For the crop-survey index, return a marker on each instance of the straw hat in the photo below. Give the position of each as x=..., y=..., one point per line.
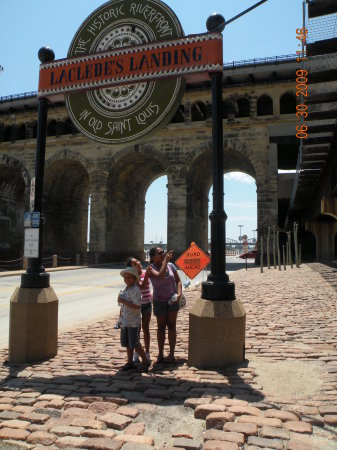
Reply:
x=132, y=270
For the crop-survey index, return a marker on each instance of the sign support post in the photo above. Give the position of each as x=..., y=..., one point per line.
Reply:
x=217, y=320
x=33, y=317
x=217, y=286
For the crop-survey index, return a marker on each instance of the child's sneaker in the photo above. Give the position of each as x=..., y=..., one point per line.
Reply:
x=135, y=357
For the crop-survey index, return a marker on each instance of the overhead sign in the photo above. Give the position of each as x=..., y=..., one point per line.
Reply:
x=31, y=245
x=128, y=113
x=192, y=57
x=192, y=261
x=124, y=76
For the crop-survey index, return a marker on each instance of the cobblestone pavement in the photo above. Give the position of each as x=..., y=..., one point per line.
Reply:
x=284, y=396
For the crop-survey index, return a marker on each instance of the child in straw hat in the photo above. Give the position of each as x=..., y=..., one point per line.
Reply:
x=131, y=299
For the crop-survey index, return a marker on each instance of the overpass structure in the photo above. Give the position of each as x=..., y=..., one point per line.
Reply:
x=296, y=179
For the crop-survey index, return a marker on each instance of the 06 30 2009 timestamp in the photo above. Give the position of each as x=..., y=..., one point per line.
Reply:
x=302, y=86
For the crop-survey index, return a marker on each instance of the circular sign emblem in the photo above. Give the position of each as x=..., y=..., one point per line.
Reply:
x=127, y=113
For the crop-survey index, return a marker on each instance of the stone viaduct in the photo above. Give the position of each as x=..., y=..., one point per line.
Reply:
x=259, y=124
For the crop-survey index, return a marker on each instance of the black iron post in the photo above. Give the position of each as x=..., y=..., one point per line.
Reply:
x=217, y=286
x=36, y=276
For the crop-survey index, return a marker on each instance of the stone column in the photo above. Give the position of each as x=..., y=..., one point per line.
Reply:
x=98, y=208
x=253, y=107
x=267, y=195
x=176, y=214
x=325, y=238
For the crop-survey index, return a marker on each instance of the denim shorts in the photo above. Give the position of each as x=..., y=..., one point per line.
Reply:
x=163, y=308
x=130, y=337
x=146, y=308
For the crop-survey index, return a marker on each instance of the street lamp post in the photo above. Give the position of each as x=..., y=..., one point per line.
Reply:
x=33, y=320
x=217, y=286
x=217, y=320
x=36, y=276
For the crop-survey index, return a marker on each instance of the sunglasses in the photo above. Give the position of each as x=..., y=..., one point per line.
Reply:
x=161, y=252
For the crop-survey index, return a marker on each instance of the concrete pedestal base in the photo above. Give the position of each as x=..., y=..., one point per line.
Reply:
x=33, y=325
x=216, y=334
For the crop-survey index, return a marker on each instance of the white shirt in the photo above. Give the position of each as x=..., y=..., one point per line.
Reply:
x=131, y=317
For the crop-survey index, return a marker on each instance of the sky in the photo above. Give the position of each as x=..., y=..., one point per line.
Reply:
x=269, y=30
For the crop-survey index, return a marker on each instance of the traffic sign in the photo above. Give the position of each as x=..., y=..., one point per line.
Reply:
x=193, y=260
x=31, y=247
x=32, y=219
x=35, y=219
x=27, y=220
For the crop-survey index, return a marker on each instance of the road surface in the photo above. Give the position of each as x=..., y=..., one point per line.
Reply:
x=85, y=295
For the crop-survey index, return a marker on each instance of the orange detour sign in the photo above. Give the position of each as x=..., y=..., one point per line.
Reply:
x=192, y=261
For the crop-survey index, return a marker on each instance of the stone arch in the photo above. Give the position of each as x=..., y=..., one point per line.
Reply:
x=68, y=154
x=199, y=181
x=66, y=193
x=288, y=103
x=14, y=200
x=127, y=183
x=264, y=106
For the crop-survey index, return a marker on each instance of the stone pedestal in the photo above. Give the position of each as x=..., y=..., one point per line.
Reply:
x=216, y=334
x=33, y=325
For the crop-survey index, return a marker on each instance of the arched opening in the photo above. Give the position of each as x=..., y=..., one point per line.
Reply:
x=12, y=208
x=243, y=107
x=228, y=109
x=35, y=130
x=156, y=214
x=198, y=112
x=66, y=208
x=127, y=185
x=51, y=129
x=22, y=132
x=265, y=106
x=69, y=127
x=240, y=205
x=307, y=240
x=200, y=202
x=8, y=134
x=288, y=104
x=179, y=116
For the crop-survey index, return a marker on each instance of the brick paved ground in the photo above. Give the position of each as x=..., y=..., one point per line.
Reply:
x=283, y=397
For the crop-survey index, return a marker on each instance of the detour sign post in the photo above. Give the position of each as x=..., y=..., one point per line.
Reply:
x=192, y=261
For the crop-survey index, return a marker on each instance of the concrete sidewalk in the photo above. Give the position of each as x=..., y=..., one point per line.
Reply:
x=284, y=396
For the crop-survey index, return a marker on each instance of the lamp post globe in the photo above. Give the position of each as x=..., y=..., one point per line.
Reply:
x=215, y=23
x=46, y=54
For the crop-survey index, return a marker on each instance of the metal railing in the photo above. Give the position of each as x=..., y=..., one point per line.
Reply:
x=259, y=61
x=12, y=98
x=49, y=261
